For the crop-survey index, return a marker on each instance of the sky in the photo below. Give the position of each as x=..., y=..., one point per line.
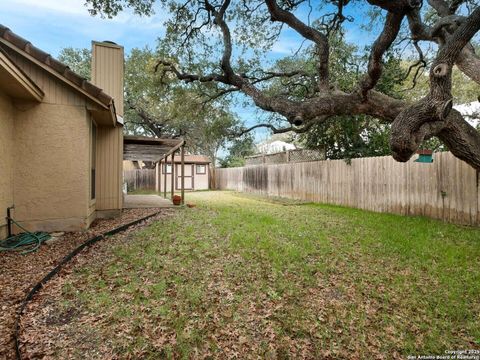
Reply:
x=52, y=25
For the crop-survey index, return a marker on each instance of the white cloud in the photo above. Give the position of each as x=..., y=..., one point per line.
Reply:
x=73, y=7
x=54, y=24
x=78, y=10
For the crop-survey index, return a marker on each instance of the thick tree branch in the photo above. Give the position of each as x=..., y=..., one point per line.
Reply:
x=440, y=6
x=432, y=115
x=276, y=130
x=396, y=6
x=383, y=42
x=170, y=67
x=411, y=124
x=467, y=61
x=308, y=32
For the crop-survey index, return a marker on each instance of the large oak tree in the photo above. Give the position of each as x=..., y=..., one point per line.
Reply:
x=248, y=26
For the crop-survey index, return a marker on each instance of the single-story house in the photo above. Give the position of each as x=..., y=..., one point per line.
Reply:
x=271, y=147
x=197, y=174
x=61, y=137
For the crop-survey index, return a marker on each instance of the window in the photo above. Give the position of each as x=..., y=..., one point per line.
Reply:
x=167, y=169
x=201, y=169
x=93, y=160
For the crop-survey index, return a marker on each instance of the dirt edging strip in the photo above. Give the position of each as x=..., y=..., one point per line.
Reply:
x=59, y=266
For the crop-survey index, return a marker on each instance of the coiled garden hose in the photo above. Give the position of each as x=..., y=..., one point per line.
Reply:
x=25, y=242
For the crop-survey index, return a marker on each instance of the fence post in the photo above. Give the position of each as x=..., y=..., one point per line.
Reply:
x=478, y=198
x=172, y=176
x=287, y=155
x=164, y=169
x=183, y=172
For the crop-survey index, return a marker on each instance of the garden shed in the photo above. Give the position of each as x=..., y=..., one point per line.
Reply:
x=196, y=176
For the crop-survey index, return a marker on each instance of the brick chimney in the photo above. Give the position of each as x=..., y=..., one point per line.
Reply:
x=108, y=70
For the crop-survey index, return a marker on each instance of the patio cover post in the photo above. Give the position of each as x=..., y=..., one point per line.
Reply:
x=165, y=177
x=183, y=172
x=157, y=177
x=173, y=175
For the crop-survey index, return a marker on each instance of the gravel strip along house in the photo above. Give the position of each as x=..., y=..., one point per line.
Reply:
x=61, y=137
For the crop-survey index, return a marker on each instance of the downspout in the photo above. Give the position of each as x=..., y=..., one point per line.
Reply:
x=9, y=220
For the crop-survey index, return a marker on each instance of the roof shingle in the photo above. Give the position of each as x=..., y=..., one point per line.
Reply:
x=60, y=68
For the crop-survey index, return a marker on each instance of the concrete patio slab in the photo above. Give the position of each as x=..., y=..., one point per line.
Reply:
x=146, y=201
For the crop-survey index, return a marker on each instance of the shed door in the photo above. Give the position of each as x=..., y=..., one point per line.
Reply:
x=188, y=176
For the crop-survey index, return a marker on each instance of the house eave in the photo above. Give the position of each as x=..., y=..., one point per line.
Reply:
x=104, y=117
x=15, y=83
x=53, y=72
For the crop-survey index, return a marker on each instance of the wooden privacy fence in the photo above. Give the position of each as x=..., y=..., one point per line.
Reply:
x=140, y=179
x=446, y=189
x=297, y=155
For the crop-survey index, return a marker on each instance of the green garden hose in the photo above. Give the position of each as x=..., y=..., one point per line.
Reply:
x=25, y=242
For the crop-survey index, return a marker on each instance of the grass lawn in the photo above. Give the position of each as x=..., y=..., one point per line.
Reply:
x=253, y=278
x=153, y=192
x=146, y=192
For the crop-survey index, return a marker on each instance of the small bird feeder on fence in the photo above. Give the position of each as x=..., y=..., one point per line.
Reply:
x=425, y=156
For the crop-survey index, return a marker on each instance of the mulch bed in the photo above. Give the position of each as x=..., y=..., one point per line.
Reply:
x=21, y=272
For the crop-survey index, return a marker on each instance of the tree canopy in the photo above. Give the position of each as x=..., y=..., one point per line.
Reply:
x=240, y=147
x=220, y=43
x=162, y=106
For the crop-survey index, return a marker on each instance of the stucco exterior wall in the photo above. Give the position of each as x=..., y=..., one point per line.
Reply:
x=6, y=160
x=52, y=166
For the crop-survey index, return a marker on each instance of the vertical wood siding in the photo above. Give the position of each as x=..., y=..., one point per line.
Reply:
x=109, y=168
x=446, y=189
x=56, y=92
x=108, y=71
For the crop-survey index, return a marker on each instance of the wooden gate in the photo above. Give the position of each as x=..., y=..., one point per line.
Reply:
x=140, y=179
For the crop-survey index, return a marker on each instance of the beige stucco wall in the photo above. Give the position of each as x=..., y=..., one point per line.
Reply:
x=51, y=189
x=6, y=160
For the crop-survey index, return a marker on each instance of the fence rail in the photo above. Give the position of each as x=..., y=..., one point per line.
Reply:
x=140, y=179
x=297, y=155
x=446, y=189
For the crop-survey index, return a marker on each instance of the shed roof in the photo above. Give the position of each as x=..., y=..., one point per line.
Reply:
x=62, y=71
x=142, y=148
x=193, y=159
